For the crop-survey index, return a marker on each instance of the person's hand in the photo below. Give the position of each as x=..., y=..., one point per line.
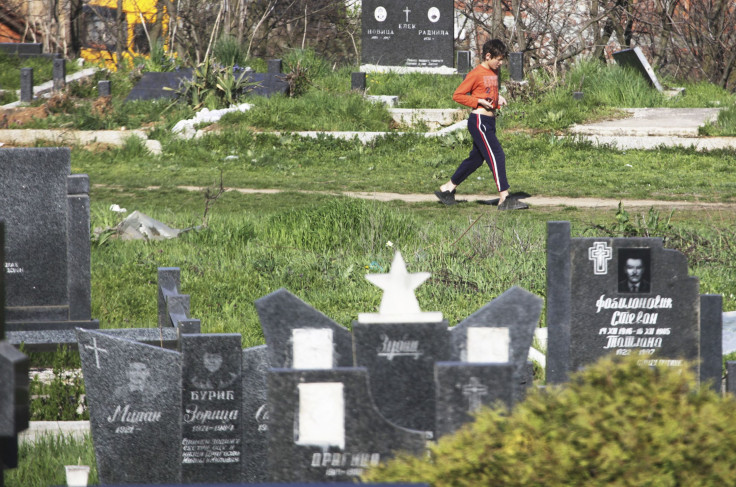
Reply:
x=502, y=101
x=485, y=103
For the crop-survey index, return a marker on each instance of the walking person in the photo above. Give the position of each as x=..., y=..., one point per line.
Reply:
x=479, y=91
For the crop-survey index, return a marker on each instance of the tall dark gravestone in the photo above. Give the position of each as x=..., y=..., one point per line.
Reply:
x=47, y=254
x=26, y=85
x=623, y=296
x=212, y=396
x=14, y=389
x=134, y=394
x=413, y=33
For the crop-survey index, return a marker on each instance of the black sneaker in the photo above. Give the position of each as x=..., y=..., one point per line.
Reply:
x=512, y=204
x=446, y=197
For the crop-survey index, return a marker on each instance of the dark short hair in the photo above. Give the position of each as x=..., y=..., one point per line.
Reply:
x=494, y=47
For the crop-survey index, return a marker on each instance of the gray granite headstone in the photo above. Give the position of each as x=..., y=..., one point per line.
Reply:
x=400, y=359
x=324, y=427
x=299, y=336
x=26, y=85
x=47, y=257
x=500, y=332
x=59, y=74
x=255, y=414
x=212, y=398
x=104, y=88
x=516, y=66
x=635, y=59
x=134, y=396
x=413, y=33
x=624, y=296
x=463, y=388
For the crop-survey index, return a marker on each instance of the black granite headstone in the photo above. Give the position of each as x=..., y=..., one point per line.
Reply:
x=14, y=389
x=413, y=33
x=624, y=296
x=500, y=332
x=324, y=427
x=731, y=377
x=298, y=336
x=26, y=85
x=357, y=82
x=516, y=66
x=134, y=396
x=59, y=74
x=21, y=48
x=212, y=397
x=635, y=59
x=711, y=340
x=47, y=257
x=400, y=359
x=154, y=86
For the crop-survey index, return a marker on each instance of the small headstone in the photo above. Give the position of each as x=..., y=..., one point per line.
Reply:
x=501, y=332
x=463, y=388
x=173, y=307
x=414, y=33
x=59, y=74
x=135, y=400
x=357, y=82
x=463, y=62
x=275, y=66
x=104, y=88
x=324, y=427
x=623, y=296
x=26, y=85
x=212, y=397
x=300, y=337
x=635, y=59
x=516, y=66
x=47, y=257
x=577, y=95
x=731, y=377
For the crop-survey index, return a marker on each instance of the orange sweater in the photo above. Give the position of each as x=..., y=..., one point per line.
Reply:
x=481, y=82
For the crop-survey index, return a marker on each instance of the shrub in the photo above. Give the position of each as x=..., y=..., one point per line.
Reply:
x=615, y=423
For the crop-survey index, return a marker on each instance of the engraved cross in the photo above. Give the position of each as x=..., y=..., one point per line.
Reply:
x=474, y=391
x=600, y=253
x=97, y=350
x=406, y=11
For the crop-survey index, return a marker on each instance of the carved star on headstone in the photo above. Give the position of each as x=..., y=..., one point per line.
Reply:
x=399, y=304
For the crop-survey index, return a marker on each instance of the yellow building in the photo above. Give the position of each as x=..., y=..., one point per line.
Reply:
x=144, y=22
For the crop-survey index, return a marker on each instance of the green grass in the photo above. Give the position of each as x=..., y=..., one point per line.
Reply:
x=41, y=464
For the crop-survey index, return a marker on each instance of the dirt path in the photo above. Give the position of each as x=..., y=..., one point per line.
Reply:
x=546, y=201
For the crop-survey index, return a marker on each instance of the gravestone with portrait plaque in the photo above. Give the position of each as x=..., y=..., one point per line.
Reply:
x=623, y=296
x=135, y=403
x=212, y=395
x=412, y=33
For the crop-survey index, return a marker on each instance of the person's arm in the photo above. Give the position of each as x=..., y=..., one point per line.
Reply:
x=462, y=92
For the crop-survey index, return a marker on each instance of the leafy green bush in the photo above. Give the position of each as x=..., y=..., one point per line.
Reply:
x=615, y=423
x=63, y=398
x=228, y=51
